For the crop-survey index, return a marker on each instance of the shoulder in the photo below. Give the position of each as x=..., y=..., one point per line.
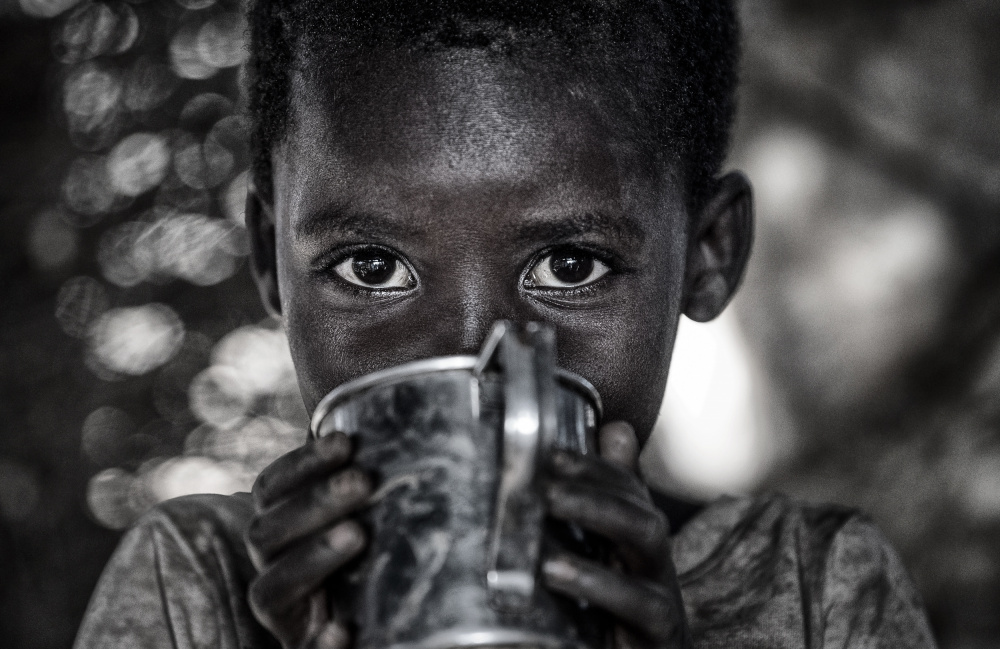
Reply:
x=191, y=517
x=822, y=574
x=757, y=525
x=180, y=572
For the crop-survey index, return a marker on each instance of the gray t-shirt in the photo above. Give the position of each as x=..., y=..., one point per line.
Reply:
x=754, y=572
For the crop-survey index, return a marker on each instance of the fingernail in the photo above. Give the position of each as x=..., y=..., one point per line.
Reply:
x=560, y=570
x=345, y=537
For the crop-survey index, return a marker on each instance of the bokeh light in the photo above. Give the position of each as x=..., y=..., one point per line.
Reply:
x=116, y=254
x=183, y=476
x=185, y=56
x=87, y=188
x=79, y=303
x=254, y=444
x=220, y=41
x=148, y=84
x=96, y=28
x=202, y=164
x=203, y=110
x=982, y=487
x=46, y=8
x=108, y=498
x=249, y=364
x=91, y=101
x=192, y=247
x=789, y=170
x=138, y=163
x=220, y=396
x=135, y=340
x=259, y=355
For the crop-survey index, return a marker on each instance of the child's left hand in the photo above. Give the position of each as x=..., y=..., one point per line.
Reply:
x=606, y=496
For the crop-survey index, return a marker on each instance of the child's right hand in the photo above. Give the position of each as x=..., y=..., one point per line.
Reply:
x=301, y=536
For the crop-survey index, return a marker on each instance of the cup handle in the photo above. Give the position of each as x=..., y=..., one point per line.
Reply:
x=526, y=356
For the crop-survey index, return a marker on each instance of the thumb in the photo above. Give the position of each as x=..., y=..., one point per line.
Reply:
x=619, y=445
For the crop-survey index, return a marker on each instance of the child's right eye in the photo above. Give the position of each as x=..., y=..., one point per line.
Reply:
x=375, y=269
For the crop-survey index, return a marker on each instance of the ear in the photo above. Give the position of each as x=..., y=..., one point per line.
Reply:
x=719, y=249
x=263, y=259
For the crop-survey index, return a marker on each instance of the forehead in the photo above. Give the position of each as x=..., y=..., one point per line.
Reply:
x=461, y=121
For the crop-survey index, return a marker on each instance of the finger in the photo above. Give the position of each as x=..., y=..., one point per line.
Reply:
x=590, y=469
x=294, y=468
x=332, y=635
x=306, y=512
x=619, y=445
x=302, y=569
x=640, y=530
x=323, y=632
x=647, y=607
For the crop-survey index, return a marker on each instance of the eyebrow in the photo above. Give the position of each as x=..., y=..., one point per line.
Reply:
x=562, y=226
x=347, y=220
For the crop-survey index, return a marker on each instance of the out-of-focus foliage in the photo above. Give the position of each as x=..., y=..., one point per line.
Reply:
x=872, y=132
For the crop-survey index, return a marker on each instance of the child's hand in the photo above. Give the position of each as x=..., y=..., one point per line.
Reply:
x=605, y=495
x=300, y=536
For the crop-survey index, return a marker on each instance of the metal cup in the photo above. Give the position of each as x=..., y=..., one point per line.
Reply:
x=458, y=522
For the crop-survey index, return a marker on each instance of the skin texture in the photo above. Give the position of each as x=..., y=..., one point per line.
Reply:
x=470, y=170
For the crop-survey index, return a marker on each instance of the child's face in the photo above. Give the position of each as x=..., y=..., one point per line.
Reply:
x=420, y=201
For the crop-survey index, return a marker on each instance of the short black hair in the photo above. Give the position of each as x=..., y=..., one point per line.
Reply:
x=672, y=63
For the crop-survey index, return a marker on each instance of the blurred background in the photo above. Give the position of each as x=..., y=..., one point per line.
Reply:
x=860, y=364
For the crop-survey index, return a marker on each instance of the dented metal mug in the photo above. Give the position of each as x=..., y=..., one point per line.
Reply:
x=458, y=521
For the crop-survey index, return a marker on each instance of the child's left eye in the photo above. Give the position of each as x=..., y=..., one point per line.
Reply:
x=566, y=268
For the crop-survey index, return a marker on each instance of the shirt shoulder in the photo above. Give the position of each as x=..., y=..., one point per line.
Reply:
x=769, y=571
x=178, y=579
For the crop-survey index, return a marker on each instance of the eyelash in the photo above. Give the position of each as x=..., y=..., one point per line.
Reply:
x=327, y=265
x=613, y=263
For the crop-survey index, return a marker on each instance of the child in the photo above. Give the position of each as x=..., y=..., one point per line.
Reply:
x=426, y=168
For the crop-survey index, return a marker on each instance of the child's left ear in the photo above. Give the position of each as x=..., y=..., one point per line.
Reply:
x=720, y=247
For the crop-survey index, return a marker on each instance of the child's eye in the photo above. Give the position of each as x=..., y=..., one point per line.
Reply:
x=379, y=269
x=566, y=268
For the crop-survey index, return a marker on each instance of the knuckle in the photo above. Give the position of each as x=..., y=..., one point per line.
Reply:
x=349, y=485
x=346, y=538
x=355, y=483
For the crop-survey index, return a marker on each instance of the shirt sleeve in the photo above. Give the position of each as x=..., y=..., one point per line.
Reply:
x=869, y=601
x=176, y=581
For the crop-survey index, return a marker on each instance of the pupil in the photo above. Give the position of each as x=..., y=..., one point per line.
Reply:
x=373, y=267
x=572, y=267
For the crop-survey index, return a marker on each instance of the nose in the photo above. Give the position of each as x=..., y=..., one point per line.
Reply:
x=465, y=315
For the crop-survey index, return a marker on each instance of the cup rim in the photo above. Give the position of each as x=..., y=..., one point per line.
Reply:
x=430, y=366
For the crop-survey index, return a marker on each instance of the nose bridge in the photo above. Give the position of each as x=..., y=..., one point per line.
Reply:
x=477, y=307
x=471, y=300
